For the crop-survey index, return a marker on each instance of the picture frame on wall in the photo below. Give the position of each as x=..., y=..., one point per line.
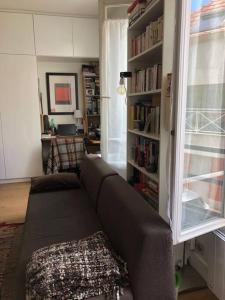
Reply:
x=62, y=93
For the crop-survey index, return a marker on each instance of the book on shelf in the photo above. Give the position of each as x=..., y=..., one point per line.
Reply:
x=144, y=153
x=89, y=70
x=144, y=117
x=153, y=34
x=137, y=8
x=93, y=106
x=146, y=80
x=148, y=188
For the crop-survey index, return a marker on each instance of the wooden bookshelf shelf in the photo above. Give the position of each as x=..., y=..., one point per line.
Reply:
x=153, y=10
x=152, y=176
x=144, y=134
x=154, y=53
x=153, y=92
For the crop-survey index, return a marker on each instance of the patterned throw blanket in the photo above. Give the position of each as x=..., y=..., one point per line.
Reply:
x=66, y=153
x=76, y=270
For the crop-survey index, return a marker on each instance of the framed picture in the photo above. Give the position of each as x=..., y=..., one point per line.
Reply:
x=62, y=93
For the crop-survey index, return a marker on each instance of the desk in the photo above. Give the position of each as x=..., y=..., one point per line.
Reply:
x=46, y=147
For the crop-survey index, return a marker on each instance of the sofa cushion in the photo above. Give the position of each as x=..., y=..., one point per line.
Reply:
x=60, y=181
x=54, y=217
x=94, y=170
x=58, y=204
x=140, y=237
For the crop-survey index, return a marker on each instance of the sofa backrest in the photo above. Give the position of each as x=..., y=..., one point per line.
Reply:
x=93, y=172
x=141, y=238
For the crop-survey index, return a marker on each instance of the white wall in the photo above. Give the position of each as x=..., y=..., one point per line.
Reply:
x=61, y=67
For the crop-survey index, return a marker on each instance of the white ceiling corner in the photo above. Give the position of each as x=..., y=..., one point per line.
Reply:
x=58, y=7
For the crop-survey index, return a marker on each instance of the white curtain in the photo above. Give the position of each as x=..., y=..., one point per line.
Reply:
x=114, y=109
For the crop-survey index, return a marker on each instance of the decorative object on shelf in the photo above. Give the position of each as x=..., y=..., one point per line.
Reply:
x=52, y=126
x=78, y=116
x=62, y=93
x=122, y=89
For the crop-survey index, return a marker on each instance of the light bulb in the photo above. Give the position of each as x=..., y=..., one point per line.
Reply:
x=121, y=90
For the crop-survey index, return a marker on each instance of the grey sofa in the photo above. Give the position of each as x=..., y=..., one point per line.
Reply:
x=104, y=201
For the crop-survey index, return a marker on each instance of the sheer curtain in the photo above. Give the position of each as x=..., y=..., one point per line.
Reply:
x=114, y=109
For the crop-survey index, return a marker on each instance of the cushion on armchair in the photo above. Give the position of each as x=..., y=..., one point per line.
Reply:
x=59, y=181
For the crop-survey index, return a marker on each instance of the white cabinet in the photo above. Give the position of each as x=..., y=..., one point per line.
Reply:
x=16, y=33
x=2, y=160
x=53, y=35
x=19, y=107
x=86, y=37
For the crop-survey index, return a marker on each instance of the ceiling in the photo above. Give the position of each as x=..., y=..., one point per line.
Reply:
x=64, y=7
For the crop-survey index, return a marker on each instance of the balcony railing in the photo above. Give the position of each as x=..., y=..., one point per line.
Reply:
x=205, y=121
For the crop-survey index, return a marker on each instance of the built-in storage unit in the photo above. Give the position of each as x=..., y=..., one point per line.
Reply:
x=16, y=33
x=176, y=132
x=24, y=38
x=66, y=37
x=149, y=64
x=86, y=37
x=53, y=35
x=91, y=101
x=20, y=116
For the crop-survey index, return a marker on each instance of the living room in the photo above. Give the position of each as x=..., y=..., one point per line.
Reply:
x=112, y=149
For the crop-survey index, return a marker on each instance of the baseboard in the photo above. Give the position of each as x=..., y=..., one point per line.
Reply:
x=200, y=265
x=17, y=180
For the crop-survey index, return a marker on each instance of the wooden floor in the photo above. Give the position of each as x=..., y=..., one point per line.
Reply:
x=13, y=202
x=198, y=295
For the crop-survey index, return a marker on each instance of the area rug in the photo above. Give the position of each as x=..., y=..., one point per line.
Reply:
x=10, y=241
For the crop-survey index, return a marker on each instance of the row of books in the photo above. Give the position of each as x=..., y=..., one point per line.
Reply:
x=148, y=188
x=152, y=35
x=93, y=106
x=89, y=70
x=144, y=153
x=146, y=80
x=145, y=118
x=137, y=8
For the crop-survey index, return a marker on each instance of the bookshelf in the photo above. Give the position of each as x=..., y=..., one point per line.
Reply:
x=150, y=59
x=91, y=102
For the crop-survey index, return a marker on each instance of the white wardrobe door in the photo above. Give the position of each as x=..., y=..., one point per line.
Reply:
x=16, y=33
x=20, y=116
x=86, y=37
x=2, y=160
x=53, y=35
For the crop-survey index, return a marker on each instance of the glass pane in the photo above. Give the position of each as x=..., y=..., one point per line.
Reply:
x=203, y=184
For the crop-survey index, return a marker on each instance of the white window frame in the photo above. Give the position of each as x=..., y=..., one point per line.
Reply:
x=181, y=92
